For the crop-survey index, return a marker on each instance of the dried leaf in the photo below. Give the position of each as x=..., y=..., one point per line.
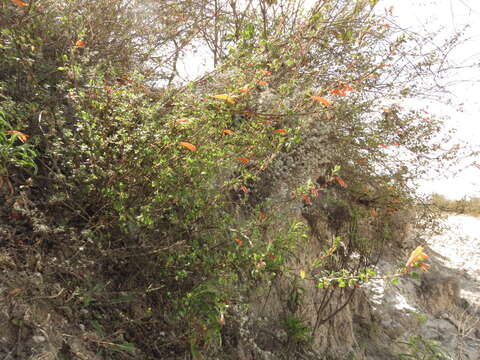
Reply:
x=226, y=97
x=243, y=160
x=280, y=131
x=187, y=145
x=19, y=3
x=23, y=137
x=322, y=100
x=228, y=132
x=14, y=292
x=80, y=43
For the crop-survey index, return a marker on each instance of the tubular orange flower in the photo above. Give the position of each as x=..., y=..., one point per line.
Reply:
x=23, y=137
x=423, y=266
x=322, y=100
x=187, y=145
x=239, y=242
x=416, y=255
x=243, y=160
x=19, y=3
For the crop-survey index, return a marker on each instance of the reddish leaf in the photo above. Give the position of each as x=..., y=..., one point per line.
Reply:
x=477, y=165
x=243, y=160
x=322, y=100
x=187, y=145
x=383, y=146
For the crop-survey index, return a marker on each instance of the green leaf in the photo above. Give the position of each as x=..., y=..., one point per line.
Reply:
x=125, y=346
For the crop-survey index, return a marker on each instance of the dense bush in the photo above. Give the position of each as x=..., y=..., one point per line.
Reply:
x=150, y=183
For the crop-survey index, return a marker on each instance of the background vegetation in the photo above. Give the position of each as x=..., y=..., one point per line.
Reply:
x=145, y=201
x=464, y=206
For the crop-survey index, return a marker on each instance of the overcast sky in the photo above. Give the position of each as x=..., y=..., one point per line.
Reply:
x=445, y=17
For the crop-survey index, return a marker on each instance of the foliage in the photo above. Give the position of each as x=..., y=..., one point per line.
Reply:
x=464, y=206
x=420, y=348
x=155, y=184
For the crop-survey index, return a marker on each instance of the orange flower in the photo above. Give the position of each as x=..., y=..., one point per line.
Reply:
x=228, y=132
x=244, y=89
x=80, y=43
x=187, y=145
x=342, y=91
x=243, y=160
x=280, y=131
x=19, y=3
x=340, y=181
x=239, y=242
x=262, y=83
x=416, y=255
x=322, y=100
x=23, y=137
x=423, y=266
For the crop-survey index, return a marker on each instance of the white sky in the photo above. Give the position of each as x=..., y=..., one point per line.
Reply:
x=445, y=17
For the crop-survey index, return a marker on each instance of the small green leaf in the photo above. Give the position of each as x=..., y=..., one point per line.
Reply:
x=126, y=346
